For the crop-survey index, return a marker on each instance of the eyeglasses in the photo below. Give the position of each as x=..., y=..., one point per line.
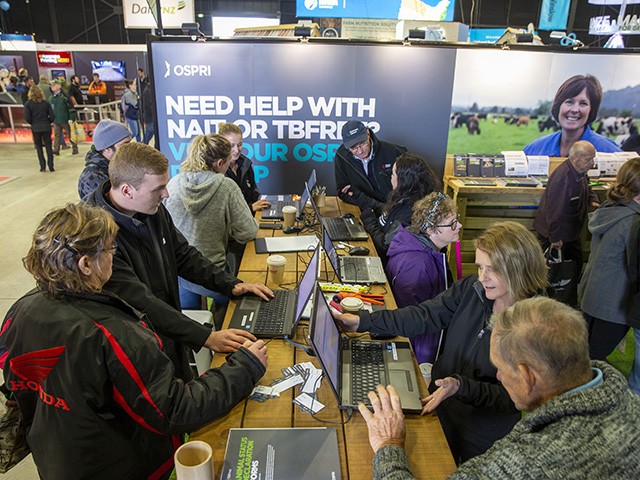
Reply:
x=112, y=249
x=359, y=146
x=453, y=225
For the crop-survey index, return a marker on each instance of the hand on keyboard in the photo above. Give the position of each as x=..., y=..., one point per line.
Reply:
x=227, y=341
x=258, y=289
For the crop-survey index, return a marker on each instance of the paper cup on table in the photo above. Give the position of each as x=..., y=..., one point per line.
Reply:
x=351, y=304
x=275, y=265
x=320, y=200
x=425, y=369
x=289, y=215
x=194, y=461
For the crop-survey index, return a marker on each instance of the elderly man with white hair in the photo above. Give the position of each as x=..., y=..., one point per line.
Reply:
x=582, y=420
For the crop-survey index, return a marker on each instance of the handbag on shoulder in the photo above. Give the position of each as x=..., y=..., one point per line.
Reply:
x=562, y=276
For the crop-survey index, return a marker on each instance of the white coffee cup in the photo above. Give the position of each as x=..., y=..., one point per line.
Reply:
x=289, y=215
x=425, y=369
x=275, y=265
x=351, y=304
x=194, y=461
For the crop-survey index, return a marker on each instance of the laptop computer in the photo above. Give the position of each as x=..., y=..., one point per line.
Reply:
x=340, y=228
x=279, y=316
x=353, y=367
x=274, y=212
x=353, y=269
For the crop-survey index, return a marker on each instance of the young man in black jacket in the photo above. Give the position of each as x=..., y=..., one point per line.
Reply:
x=363, y=166
x=152, y=253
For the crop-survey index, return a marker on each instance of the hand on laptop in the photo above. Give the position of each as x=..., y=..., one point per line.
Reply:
x=259, y=349
x=448, y=386
x=348, y=321
x=260, y=205
x=227, y=341
x=256, y=288
x=386, y=424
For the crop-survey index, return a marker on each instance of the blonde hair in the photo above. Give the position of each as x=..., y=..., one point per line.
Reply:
x=227, y=128
x=516, y=257
x=431, y=211
x=63, y=236
x=545, y=334
x=627, y=182
x=133, y=161
x=205, y=151
x=35, y=94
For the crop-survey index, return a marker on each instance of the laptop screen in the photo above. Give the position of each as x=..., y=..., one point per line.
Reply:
x=307, y=282
x=325, y=338
x=309, y=184
x=332, y=253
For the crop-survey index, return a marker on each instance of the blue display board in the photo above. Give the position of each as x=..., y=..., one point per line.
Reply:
x=291, y=100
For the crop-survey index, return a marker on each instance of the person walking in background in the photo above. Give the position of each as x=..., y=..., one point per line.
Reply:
x=148, y=113
x=209, y=210
x=64, y=112
x=45, y=86
x=417, y=270
x=39, y=114
x=28, y=83
x=130, y=109
x=411, y=180
x=605, y=289
x=74, y=91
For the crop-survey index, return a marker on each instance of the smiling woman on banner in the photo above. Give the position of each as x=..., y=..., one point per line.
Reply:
x=474, y=408
x=574, y=107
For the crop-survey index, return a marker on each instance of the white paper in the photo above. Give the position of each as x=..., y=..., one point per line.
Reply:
x=288, y=383
x=309, y=402
x=515, y=164
x=538, y=164
x=301, y=243
x=313, y=381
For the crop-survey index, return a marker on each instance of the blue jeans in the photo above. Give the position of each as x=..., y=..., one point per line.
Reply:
x=634, y=377
x=135, y=129
x=149, y=130
x=190, y=294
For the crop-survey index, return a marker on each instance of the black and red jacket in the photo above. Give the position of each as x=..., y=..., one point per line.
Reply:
x=99, y=397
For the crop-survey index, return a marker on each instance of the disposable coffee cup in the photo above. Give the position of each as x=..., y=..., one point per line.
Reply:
x=351, y=304
x=289, y=215
x=275, y=265
x=425, y=369
x=194, y=461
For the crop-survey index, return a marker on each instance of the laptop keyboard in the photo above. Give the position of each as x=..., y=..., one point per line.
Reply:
x=337, y=230
x=367, y=365
x=272, y=314
x=355, y=268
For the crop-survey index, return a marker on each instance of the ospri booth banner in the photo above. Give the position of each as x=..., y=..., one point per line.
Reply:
x=292, y=99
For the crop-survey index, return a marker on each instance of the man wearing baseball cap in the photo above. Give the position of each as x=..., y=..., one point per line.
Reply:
x=363, y=166
x=108, y=136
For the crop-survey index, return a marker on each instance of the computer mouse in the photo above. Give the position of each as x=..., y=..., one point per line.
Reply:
x=359, y=251
x=347, y=215
x=294, y=229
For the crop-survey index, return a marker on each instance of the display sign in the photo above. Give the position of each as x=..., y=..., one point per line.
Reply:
x=554, y=14
x=54, y=59
x=612, y=2
x=438, y=10
x=140, y=13
x=607, y=25
x=291, y=119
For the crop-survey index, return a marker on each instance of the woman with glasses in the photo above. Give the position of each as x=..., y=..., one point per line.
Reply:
x=417, y=270
x=474, y=408
x=98, y=397
x=411, y=180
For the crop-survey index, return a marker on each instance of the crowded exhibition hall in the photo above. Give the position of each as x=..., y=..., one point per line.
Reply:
x=319, y=239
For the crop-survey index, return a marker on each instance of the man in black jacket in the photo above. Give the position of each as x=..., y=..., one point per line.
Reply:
x=363, y=165
x=74, y=90
x=152, y=253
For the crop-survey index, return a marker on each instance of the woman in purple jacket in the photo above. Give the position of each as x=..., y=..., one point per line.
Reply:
x=416, y=268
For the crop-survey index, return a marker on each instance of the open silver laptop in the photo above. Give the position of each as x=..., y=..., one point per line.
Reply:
x=353, y=367
x=274, y=212
x=353, y=269
x=279, y=316
x=339, y=228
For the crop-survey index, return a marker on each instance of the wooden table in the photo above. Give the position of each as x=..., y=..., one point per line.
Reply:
x=426, y=445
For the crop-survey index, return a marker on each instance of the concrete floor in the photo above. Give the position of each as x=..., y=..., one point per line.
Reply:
x=23, y=203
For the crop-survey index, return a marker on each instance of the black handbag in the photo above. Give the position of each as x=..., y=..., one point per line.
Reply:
x=562, y=276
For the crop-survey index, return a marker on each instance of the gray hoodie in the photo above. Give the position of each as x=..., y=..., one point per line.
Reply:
x=605, y=285
x=208, y=209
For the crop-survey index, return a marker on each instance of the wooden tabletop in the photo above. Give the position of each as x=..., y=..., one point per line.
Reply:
x=429, y=454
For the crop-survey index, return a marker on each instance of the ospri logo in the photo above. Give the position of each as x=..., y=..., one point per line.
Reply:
x=187, y=70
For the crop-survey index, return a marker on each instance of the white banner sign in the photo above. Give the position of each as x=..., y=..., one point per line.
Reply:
x=608, y=25
x=138, y=14
x=612, y=2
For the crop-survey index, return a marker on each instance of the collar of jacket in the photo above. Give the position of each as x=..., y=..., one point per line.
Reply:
x=123, y=221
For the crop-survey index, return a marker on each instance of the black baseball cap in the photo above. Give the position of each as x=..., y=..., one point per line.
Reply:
x=354, y=132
